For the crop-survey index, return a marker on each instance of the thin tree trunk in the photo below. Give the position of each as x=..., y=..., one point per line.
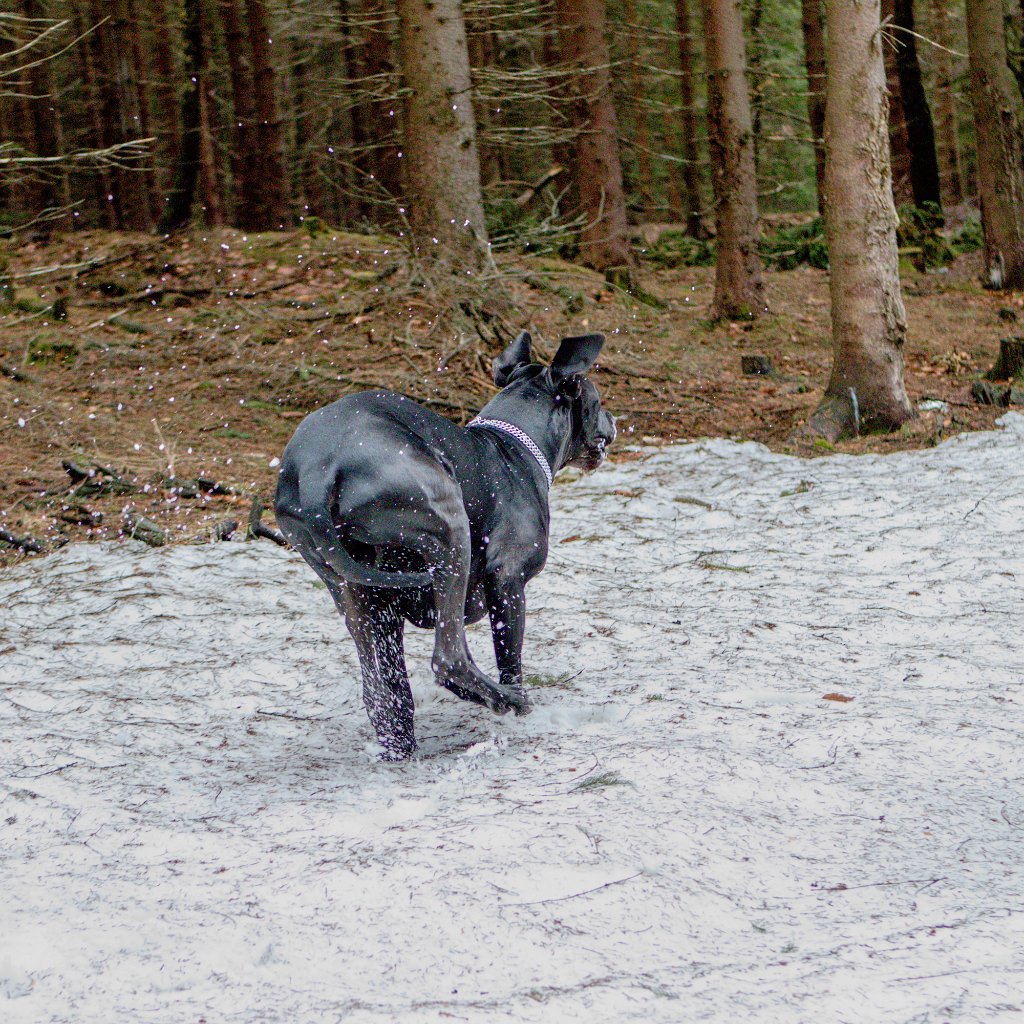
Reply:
x=269, y=137
x=123, y=77
x=596, y=166
x=644, y=171
x=739, y=287
x=691, y=197
x=899, y=141
x=866, y=390
x=998, y=118
x=755, y=75
x=946, y=123
x=358, y=173
x=178, y=210
x=384, y=126
x=447, y=215
x=209, y=186
x=44, y=125
x=101, y=179
x=481, y=56
x=166, y=46
x=814, y=59
x=561, y=150
x=924, y=164
x=244, y=149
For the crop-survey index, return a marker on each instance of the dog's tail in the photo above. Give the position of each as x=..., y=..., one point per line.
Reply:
x=317, y=497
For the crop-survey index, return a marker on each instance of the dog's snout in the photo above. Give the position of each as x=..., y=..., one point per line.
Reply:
x=606, y=428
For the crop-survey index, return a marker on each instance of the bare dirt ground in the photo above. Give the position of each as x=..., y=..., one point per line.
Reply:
x=171, y=373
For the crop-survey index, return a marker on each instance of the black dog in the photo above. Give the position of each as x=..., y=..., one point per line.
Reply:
x=405, y=515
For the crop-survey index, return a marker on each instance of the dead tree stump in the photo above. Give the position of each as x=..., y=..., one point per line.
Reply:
x=1010, y=363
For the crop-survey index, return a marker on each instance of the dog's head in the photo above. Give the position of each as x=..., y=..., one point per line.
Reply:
x=585, y=428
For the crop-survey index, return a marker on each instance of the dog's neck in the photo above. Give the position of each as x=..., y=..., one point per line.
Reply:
x=550, y=429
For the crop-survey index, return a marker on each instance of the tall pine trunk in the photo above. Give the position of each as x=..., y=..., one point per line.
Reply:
x=644, y=171
x=924, y=163
x=998, y=125
x=447, y=216
x=196, y=155
x=272, y=200
x=900, y=157
x=245, y=157
x=813, y=22
x=596, y=165
x=739, y=288
x=946, y=123
x=690, y=176
x=866, y=390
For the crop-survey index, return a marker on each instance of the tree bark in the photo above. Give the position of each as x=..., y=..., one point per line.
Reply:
x=998, y=125
x=272, y=204
x=244, y=149
x=644, y=170
x=596, y=165
x=866, y=390
x=447, y=216
x=690, y=177
x=164, y=55
x=178, y=211
x=739, y=288
x=384, y=126
x=813, y=21
x=120, y=82
x=924, y=164
x=899, y=141
x=43, y=133
x=946, y=123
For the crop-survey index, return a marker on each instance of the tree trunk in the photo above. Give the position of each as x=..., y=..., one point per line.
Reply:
x=1000, y=134
x=244, y=149
x=755, y=75
x=924, y=164
x=739, y=288
x=178, y=211
x=866, y=390
x=644, y=171
x=209, y=186
x=125, y=106
x=561, y=149
x=166, y=46
x=384, y=126
x=814, y=59
x=272, y=206
x=691, y=198
x=102, y=180
x=447, y=216
x=947, y=128
x=596, y=167
x=899, y=141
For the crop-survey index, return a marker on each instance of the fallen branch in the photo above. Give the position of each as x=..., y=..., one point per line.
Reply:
x=9, y=370
x=23, y=543
x=140, y=528
x=257, y=529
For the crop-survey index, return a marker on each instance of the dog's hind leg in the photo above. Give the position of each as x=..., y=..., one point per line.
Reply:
x=376, y=627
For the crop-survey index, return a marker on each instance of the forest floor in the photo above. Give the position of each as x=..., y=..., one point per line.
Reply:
x=172, y=372
x=773, y=772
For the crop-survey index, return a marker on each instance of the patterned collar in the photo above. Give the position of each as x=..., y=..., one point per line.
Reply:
x=521, y=436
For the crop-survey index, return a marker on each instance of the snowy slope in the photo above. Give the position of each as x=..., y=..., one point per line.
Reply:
x=193, y=825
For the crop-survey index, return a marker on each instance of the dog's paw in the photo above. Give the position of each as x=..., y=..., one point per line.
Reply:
x=520, y=700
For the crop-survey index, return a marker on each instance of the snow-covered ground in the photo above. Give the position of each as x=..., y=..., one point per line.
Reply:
x=193, y=826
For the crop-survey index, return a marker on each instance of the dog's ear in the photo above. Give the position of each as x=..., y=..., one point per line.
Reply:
x=576, y=356
x=515, y=355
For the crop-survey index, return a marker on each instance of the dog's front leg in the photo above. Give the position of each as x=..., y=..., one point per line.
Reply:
x=506, y=606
